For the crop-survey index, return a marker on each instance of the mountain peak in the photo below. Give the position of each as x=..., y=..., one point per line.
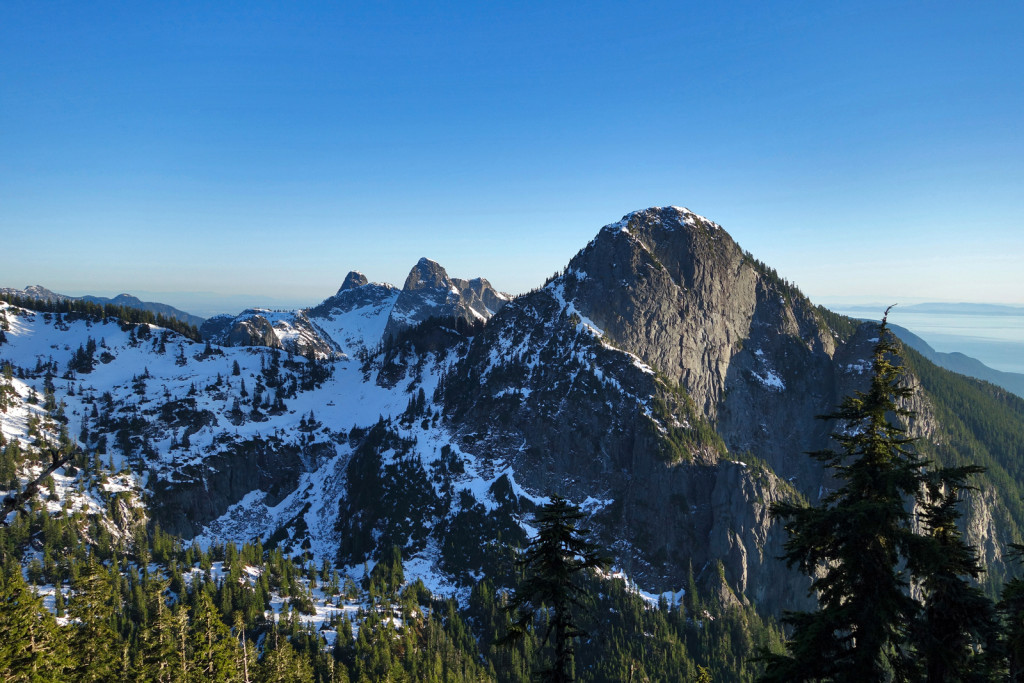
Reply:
x=35, y=292
x=352, y=280
x=427, y=274
x=669, y=216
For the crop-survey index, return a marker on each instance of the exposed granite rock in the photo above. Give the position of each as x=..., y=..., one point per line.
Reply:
x=352, y=280
x=253, y=330
x=292, y=331
x=480, y=297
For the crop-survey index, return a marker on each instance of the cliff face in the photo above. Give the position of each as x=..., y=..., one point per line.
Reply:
x=677, y=291
x=641, y=377
x=594, y=387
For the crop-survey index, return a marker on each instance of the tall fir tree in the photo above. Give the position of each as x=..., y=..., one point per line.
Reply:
x=213, y=648
x=956, y=635
x=854, y=544
x=95, y=644
x=31, y=648
x=552, y=588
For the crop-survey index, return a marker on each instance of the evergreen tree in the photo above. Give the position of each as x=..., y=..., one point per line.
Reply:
x=31, y=649
x=156, y=640
x=213, y=647
x=95, y=645
x=955, y=637
x=1011, y=608
x=855, y=543
x=552, y=587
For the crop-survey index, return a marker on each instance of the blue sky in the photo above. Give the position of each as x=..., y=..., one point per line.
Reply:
x=866, y=151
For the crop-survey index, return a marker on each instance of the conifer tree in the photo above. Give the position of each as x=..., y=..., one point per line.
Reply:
x=956, y=635
x=1011, y=609
x=156, y=639
x=31, y=649
x=855, y=542
x=213, y=648
x=552, y=588
x=95, y=645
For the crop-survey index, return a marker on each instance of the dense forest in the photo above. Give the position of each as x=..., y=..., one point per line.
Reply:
x=90, y=605
x=93, y=590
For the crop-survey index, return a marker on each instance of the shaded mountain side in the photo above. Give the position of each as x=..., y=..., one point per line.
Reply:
x=540, y=393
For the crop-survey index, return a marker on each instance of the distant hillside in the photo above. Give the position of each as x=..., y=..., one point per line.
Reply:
x=154, y=307
x=126, y=300
x=961, y=363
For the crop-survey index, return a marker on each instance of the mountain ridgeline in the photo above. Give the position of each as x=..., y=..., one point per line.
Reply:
x=666, y=381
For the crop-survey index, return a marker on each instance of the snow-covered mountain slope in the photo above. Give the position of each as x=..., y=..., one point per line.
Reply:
x=32, y=433
x=362, y=314
x=666, y=381
x=234, y=443
x=355, y=317
x=292, y=331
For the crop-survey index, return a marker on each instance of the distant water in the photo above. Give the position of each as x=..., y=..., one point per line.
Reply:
x=995, y=340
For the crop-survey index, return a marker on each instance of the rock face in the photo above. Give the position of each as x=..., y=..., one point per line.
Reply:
x=662, y=357
x=253, y=330
x=352, y=280
x=544, y=393
x=480, y=297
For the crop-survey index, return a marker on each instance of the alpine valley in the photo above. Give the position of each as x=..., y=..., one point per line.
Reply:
x=666, y=382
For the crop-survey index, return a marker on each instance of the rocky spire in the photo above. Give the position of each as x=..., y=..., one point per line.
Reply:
x=352, y=280
x=427, y=274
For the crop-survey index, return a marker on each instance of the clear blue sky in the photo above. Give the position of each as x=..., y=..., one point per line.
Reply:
x=869, y=151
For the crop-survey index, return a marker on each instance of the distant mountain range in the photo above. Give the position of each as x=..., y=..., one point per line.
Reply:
x=956, y=361
x=961, y=363
x=126, y=300
x=940, y=308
